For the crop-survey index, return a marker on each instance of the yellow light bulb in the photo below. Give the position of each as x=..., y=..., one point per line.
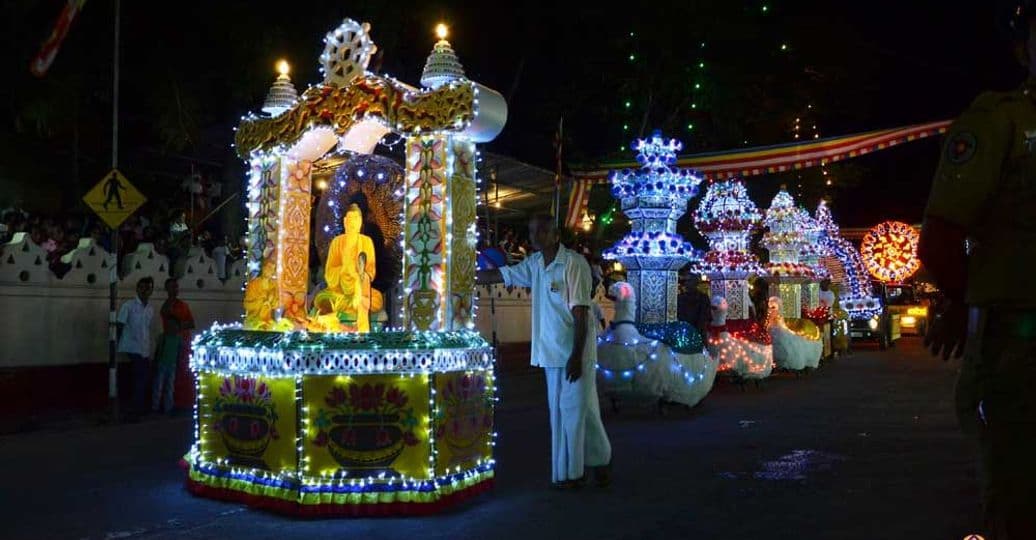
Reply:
x=283, y=67
x=441, y=30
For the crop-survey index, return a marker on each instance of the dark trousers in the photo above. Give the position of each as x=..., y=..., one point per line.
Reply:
x=996, y=400
x=141, y=394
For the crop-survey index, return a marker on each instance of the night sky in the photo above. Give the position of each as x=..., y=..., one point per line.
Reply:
x=198, y=66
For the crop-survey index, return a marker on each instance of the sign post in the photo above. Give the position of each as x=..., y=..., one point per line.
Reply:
x=113, y=199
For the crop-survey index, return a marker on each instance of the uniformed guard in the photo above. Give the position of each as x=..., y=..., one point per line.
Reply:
x=979, y=241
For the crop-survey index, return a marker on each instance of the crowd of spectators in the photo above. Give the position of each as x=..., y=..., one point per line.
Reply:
x=515, y=244
x=58, y=234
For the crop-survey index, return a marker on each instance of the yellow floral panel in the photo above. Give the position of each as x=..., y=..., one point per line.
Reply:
x=248, y=421
x=367, y=426
x=463, y=420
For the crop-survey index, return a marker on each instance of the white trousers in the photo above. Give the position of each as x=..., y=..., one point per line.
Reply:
x=577, y=436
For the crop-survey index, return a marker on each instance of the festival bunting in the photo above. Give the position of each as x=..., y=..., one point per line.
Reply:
x=760, y=160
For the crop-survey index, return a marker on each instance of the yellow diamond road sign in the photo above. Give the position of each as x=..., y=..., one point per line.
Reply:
x=114, y=199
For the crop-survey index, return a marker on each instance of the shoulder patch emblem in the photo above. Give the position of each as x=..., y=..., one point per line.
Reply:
x=961, y=147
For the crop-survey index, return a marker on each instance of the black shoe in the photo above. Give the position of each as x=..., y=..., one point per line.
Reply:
x=568, y=485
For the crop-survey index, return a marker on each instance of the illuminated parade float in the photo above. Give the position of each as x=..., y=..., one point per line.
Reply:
x=848, y=269
x=646, y=351
x=796, y=341
x=726, y=217
x=321, y=404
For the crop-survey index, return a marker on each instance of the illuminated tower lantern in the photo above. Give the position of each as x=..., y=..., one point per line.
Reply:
x=300, y=410
x=809, y=254
x=654, y=197
x=784, y=240
x=726, y=217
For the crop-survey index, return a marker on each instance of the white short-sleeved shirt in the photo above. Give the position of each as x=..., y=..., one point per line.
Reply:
x=827, y=298
x=137, y=319
x=556, y=289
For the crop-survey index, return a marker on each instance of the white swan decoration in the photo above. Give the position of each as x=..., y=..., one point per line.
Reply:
x=632, y=364
x=791, y=351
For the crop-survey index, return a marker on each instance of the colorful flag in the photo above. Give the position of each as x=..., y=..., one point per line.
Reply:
x=49, y=50
x=578, y=202
x=555, y=203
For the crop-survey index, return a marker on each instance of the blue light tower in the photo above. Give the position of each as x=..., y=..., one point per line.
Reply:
x=654, y=197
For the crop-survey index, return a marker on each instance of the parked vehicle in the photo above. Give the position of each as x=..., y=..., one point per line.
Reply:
x=884, y=327
x=906, y=300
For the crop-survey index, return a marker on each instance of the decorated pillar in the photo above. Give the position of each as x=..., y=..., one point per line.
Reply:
x=295, y=204
x=424, y=234
x=279, y=190
x=784, y=240
x=462, y=234
x=654, y=197
x=440, y=234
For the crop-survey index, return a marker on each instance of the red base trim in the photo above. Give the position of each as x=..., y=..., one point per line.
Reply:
x=295, y=509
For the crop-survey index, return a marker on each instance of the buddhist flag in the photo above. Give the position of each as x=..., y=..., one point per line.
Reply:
x=49, y=50
x=578, y=202
x=555, y=203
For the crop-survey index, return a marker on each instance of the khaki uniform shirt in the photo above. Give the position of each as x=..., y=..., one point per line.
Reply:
x=986, y=183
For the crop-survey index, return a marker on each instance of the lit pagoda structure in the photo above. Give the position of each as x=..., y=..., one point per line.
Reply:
x=442, y=66
x=785, y=240
x=726, y=217
x=654, y=197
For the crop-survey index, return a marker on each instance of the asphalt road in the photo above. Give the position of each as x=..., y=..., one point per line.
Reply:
x=864, y=448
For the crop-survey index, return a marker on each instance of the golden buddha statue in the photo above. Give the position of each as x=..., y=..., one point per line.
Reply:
x=348, y=272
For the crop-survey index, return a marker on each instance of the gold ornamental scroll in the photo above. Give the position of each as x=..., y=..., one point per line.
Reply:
x=293, y=238
x=405, y=111
x=462, y=234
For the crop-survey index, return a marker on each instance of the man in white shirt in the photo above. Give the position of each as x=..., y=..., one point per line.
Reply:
x=135, y=322
x=564, y=344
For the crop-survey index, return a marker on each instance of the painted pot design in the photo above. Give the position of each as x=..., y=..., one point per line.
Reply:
x=245, y=430
x=366, y=441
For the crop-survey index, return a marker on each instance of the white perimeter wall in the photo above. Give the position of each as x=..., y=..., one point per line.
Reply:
x=46, y=321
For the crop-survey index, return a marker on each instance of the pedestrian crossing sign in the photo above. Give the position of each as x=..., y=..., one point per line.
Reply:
x=114, y=199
